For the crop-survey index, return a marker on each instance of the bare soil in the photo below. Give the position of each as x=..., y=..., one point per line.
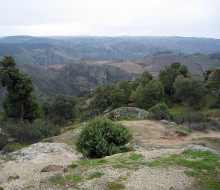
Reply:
x=145, y=132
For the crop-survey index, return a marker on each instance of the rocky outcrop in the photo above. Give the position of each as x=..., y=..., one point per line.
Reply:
x=39, y=148
x=3, y=139
x=127, y=112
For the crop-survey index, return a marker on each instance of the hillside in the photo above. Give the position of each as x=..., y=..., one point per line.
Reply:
x=71, y=65
x=62, y=50
x=72, y=79
x=81, y=76
x=197, y=63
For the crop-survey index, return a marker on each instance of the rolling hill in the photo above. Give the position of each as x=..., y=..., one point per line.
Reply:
x=71, y=65
x=65, y=50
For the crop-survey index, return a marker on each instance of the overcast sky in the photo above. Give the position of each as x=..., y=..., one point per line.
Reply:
x=197, y=18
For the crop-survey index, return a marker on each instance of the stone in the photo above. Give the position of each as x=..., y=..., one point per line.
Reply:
x=52, y=168
x=127, y=111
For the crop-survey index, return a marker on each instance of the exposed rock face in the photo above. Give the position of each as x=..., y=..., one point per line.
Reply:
x=127, y=111
x=36, y=149
x=3, y=139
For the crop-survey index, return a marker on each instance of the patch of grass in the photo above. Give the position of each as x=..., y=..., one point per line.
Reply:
x=115, y=186
x=134, y=156
x=58, y=179
x=76, y=178
x=62, y=179
x=1, y=188
x=14, y=177
x=133, y=161
x=92, y=163
x=96, y=174
x=72, y=166
x=203, y=165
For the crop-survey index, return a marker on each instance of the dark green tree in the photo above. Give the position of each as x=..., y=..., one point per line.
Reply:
x=101, y=100
x=60, y=109
x=120, y=94
x=143, y=79
x=149, y=95
x=160, y=111
x=20, y=102
x=168, y=75
x=190, y=91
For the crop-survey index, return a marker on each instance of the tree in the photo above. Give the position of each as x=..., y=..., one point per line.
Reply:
x=169, y=74
x=149, y=95
x=101, y=100
x=60, y=109
x=120, y=94
x=143, y=79
x=190, y=91
x=20, y=103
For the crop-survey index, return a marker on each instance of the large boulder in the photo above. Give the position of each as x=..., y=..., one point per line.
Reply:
x=4, y=137
x=127, y=112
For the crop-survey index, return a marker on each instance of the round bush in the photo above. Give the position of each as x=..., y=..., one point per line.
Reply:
x=160, y=111
x=102, y=137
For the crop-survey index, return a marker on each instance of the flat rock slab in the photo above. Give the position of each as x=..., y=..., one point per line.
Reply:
x=52, y=168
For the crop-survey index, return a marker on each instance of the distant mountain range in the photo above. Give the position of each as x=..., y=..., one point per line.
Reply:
x=64, y=50
x=72, y=65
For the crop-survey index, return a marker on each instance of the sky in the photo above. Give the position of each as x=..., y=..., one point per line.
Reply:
x=189, y=18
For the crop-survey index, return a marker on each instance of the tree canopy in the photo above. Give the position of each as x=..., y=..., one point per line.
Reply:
x=20, y=102
x=189, y=90
x=149, y=95
x=168, y=75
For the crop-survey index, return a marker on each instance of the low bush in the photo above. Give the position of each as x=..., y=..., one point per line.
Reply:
x=197, y=121
x=11, y=147
x=102, y=137
x=215, y=105
x=26, y=132
x=160, y=111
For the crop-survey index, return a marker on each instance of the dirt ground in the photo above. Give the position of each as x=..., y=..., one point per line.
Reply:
x=159, y=133
x=144, y=132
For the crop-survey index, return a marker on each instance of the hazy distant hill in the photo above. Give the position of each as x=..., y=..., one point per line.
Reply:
x=197, y=63
x=63, y=50
x=70, y=65
x=72, y=79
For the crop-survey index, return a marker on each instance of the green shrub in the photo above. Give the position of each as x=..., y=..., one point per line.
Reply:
x=197, y=121
x=160, y=111
x=26, y=132
x=101, y=137
x=215, y=105
x=11, y=147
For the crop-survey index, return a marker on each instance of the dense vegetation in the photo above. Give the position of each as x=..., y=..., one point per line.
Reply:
x=175, y=93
